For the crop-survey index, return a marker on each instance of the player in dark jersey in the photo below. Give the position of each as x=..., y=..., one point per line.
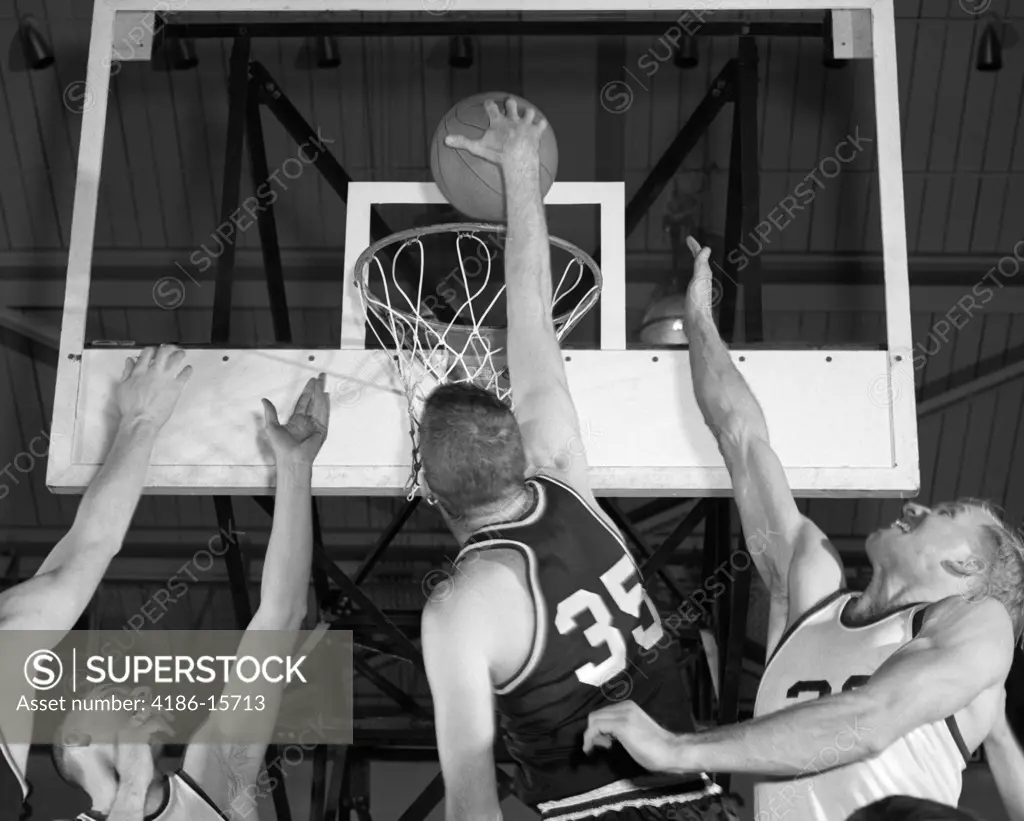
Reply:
x=54, y=599
x=544, y=617
x=112, y=757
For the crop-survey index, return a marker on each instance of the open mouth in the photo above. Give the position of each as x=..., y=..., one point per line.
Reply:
x=902, y=525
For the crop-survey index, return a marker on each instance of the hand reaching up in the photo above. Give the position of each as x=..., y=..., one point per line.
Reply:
x=700, y=296
x=299, y=440
x=510, y=139
x=151, y=384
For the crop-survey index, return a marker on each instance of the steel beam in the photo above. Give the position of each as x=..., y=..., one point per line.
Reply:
x=645, y=552
x=283, y=25
x=965, y=390
x=684, y=529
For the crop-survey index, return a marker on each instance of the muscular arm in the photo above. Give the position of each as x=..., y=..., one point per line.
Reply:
x=456, y=652
x=795, y=559
x=228, y=771
x=55, y=598
x=1006, y=760
x=224, y=770
x=544, y=407
x=963, y=649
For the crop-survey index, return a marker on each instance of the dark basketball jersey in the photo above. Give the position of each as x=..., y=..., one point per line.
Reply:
x=13, y=786
x=594, y=645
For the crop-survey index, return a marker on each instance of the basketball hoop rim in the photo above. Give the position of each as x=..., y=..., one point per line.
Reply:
x=564, y=322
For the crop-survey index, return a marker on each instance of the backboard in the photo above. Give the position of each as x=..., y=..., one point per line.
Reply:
x=641, y=428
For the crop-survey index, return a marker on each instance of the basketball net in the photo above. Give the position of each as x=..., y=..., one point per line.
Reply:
x=469, y=347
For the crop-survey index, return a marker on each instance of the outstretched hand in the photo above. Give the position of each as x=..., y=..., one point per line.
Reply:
x=650, y=744
x=151, y=384
x=510, y=138
x=299, y=440
x=700, y=296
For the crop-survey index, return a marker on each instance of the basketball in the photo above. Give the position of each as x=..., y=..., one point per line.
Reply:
x=473, y=185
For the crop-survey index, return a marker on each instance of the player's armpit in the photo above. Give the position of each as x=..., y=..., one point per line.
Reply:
x=796, y=560
x=554, y=440
x=229, y=774
x=962, y=650
x=456, y=652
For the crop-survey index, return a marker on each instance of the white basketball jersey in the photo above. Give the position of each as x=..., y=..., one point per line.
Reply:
x=820, y=655
x=185, y=802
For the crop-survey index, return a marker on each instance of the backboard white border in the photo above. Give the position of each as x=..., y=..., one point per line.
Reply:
x=903, y=479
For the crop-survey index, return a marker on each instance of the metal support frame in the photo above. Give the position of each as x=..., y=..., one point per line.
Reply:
x=346, y=605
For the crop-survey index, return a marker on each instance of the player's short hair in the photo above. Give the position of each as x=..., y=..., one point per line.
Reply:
x=1004, y=575
x=905, y=808
x=471, y=448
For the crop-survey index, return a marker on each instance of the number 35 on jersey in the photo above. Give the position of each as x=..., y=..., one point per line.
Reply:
x=622, y=585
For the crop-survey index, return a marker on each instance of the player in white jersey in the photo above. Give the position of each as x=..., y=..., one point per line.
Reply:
x=864, y=695
x=217, y=778
x=55, y=598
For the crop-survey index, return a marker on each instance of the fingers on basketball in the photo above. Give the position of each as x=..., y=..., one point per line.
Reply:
x=512, y=108
x=494, y=114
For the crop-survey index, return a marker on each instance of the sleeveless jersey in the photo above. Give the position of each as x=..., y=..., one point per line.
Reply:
x=820, y=655
x=14, y=788
x=594, y=644
x=185, y=801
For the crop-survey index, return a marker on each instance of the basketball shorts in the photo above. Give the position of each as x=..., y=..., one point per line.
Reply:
x=703, y=809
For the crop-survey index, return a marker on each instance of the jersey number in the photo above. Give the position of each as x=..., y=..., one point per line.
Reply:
x=602, y=632
x=823, y=688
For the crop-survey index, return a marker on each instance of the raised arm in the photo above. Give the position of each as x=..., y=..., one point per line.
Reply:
x=57, y=595
x=456, y=651
x=226, y=771
x=544, y=407
x=795, y=559
x=1006, y=760
x=963, y=650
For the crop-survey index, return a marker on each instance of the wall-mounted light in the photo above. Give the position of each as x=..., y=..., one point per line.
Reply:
x=33, y=44
x=990, y=49
x=687, y=54
x=325, y=52
x=460, y=52
x=179, y=54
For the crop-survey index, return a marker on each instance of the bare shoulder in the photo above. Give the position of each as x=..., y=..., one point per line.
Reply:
x=982, y=623
x=977, y=632
x=469, y=595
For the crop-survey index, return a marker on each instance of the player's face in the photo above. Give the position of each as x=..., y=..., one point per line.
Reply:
x=924, y=539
